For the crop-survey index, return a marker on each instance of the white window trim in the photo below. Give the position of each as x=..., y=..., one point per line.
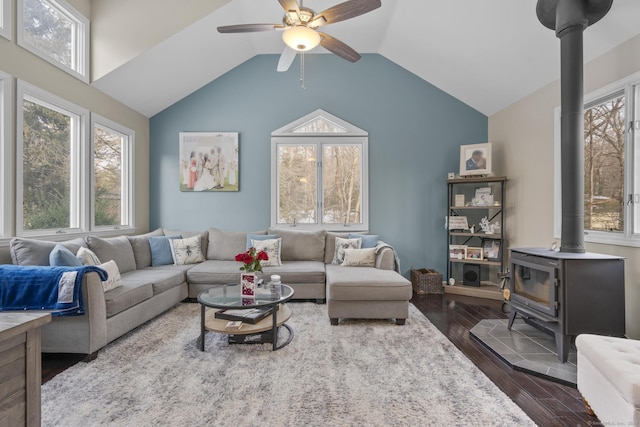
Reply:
x=321, y=142
x=5, y=19
x=128, y=187
x=79, y=173
x=5, y=154
x=626, y=238
x=81, y=35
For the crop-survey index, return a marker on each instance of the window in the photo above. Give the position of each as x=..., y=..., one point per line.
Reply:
x=112, y=172
x=5, y=154
x=5, y=19
x=611, y=153
x=320, y=174
x=57, y=32
x=51, y=196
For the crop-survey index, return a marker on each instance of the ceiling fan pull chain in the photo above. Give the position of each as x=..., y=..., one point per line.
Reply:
x=302, y=71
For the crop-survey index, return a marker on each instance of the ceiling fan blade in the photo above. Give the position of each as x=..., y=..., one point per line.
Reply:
x=337, y=47
x=343, y=11
x=249, y=28
x=286, y=59
x=290, y=6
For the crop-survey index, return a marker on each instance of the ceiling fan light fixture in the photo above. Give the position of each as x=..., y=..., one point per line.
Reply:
x=301, y=38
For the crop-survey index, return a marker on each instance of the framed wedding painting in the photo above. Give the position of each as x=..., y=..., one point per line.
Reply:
x=475, y=159
x=209, y=161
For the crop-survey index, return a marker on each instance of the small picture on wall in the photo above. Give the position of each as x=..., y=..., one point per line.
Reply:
x=474, y=253
x=209, y=161
x=475, y=159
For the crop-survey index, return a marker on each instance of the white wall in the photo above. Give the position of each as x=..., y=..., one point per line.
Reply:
x=523, y=137
x=123, y=29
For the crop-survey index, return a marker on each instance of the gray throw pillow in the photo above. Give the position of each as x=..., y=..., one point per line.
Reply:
x=116, y=248
x=141, y=249
x=36, y=252
x=225, y=245
x=301, y=245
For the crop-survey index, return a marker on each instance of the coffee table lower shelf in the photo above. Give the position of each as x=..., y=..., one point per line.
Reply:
x=261, y=333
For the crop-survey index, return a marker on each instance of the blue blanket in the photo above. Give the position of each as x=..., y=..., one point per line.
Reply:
x=58, y=289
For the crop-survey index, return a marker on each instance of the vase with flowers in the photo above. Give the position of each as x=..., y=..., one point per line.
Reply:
x=250, y=268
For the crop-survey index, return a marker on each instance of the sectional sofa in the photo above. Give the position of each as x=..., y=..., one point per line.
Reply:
x=147, y=291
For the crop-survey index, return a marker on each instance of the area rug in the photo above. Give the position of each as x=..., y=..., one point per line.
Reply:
x=527, y=349
x=365, y=373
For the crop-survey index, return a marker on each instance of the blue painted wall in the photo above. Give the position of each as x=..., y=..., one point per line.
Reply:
x=415, y=131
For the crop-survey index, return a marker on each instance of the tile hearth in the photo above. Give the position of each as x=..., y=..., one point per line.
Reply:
x=526, y=349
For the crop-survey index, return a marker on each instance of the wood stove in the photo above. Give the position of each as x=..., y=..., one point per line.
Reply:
x=568, y=293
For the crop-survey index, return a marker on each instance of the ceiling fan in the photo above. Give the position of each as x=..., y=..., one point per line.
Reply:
x=300, y=25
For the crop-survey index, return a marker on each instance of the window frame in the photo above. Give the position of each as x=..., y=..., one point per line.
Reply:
x=79, y=208
x=80, y=34
x=632, y=172
x=6, y=84
x=128, y=161
x=320, y=142
x=5, y=19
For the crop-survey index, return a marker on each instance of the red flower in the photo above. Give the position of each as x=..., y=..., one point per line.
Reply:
x=247, y=258
x=239, y=257
x=262, y=256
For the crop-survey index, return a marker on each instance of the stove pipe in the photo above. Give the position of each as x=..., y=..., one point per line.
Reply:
x=569, y=19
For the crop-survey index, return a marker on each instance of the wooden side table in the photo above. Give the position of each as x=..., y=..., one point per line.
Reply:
x=20, y=367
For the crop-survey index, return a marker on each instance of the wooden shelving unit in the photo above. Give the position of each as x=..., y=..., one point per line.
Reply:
x=489, y=270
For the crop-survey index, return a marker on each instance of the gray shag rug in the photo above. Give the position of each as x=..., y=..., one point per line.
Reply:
x=360, y=373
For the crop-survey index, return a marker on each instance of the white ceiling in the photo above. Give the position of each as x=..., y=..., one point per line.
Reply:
x=487, y=53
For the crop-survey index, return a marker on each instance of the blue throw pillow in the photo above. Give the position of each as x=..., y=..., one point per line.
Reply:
x=251, y=237
x=161, y=250
x=63, y=257
x=368, y=240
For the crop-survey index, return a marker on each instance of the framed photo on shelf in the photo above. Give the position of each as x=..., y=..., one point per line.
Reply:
x=474, y=253
x=491, y=248
x=475, y=159
x=457, y=251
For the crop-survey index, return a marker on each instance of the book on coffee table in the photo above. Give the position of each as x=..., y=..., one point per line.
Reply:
x=251, y=316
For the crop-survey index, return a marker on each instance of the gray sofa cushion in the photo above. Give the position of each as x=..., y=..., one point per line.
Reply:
x=129, y=294
x=225, y=245
x=204, y=241
x=215, y=272
x=141, y=250
x=301, y=245
x=116, y=248
x=36, y=252
x=297, y=272
x=161, y=280
x=366, y=284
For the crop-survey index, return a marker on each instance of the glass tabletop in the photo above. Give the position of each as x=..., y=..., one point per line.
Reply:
x=227, y=296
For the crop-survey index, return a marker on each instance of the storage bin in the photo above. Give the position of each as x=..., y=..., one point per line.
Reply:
x=426, y=281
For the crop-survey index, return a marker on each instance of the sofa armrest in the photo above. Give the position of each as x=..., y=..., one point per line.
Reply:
x=385, y=258
x=83, y=334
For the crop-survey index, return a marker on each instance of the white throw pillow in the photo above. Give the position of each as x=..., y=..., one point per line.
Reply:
x=360, y=257
x=187, y=251
x=341, y=245
x=114, y=280
x=87, y=257
x=272, y=247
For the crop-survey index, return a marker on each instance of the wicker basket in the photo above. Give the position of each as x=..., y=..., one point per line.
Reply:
x=426, y=281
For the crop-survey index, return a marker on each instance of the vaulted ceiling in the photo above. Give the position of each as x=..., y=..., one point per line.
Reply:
x=486, y=53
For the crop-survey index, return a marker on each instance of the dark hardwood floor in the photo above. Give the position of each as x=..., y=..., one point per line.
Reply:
x=546, y=402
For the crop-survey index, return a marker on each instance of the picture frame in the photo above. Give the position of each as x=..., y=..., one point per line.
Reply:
x=457, y=252
x=458, y=223
x=209, y=162
x=459, y=200
x=475, y=159
x=474, y=253
x=492, y=249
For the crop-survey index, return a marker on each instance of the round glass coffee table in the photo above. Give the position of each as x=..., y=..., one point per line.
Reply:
x=227, y=298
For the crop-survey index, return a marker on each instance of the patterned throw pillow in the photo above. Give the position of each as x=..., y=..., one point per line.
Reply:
x=360, y=257
x=87, y=257
x=272, y=247
x=341, y=245
x=187, y=251
x=114, y=280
